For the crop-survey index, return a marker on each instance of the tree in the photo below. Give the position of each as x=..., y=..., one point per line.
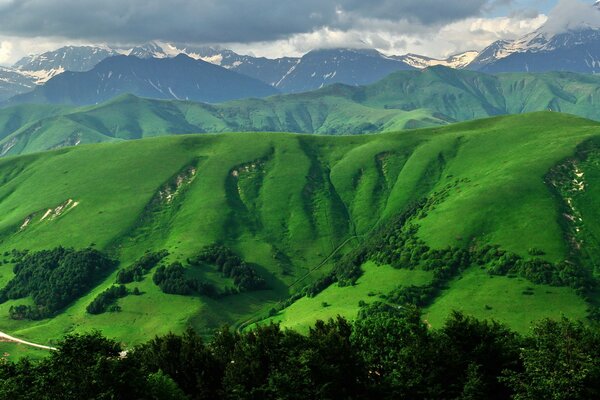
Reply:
x=474, y=353
x=561, y=361
x=186, y=360
x=398, y=353
x=88, y=366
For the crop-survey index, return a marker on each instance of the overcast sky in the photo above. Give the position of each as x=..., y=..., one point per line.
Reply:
x=270, y=27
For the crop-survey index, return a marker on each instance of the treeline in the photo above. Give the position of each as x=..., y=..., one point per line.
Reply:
x=53, y=279
x=231, y=266
x=387, y=355
x=172, y=279
x=396, y=243
x=348, y=268
x=106, y=300
x=141, y=267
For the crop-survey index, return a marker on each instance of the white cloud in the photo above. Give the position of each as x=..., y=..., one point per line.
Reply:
x=468, y=34
x=14, y=48
x=572, y=14
x=5, y=51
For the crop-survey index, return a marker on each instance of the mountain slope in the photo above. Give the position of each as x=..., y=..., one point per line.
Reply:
x=322, y=67
x=13, y=82
x=406, y=99
x=289, y=74
x=173, y=78
x=45, y=66
x=292, y=204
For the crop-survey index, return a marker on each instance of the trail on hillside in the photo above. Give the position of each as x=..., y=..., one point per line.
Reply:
x=242, y=325
x=16, y=340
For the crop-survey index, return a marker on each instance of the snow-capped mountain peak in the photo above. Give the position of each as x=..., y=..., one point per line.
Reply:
x=572, y=29
x=42, y=67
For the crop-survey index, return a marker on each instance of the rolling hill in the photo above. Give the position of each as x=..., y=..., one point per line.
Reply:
x=403, y=100
x=294, y=207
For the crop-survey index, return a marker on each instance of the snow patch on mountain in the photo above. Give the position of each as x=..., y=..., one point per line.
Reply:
x=288, y=73
x=43, y=67
x=44, y=75
x=457, y=61
x=217, y=59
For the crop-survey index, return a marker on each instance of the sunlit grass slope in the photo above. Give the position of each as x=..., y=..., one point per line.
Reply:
x=285, y=202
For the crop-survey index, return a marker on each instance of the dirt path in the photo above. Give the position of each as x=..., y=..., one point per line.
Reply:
x=15, y=340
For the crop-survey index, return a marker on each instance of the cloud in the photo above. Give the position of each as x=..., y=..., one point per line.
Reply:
x=210, y=21
x=467, y=34
x=5, y=51
x=571, y=15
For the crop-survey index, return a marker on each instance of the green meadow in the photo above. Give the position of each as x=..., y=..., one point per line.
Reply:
x=292, y=205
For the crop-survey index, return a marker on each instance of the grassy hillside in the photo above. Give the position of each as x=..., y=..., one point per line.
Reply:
x=292, y=205
x=408, y=99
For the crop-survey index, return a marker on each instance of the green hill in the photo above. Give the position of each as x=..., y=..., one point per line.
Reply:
x=293, y=207
x=403, y=100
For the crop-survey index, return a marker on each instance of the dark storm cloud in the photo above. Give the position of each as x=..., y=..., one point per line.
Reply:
x=423, y=11
x=214, y=20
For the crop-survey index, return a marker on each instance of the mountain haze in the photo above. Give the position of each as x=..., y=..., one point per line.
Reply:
x=170, y=78
x=406, y=99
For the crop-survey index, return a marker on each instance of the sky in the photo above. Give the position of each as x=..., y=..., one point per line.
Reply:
x=271, y=28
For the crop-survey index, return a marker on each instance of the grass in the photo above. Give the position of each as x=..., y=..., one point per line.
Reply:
x=15, y=351
x=305, y=196
x=513, y=301
x=343, y=301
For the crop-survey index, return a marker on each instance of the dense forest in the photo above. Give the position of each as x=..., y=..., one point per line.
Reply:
x=231, y=266
x=172, y=279
x=388, y=354
x=106, y=300
x=53, y=279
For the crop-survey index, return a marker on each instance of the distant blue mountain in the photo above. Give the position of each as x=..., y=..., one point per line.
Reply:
x=180, y=78
x=349, y=66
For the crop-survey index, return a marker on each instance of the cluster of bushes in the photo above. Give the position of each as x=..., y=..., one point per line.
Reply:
x=172, y=279
x=53, y=279
x=536, y=270
x=13, y=256
x=107, y=299
x=231, y=266
x=141, y=267
x=387, y=355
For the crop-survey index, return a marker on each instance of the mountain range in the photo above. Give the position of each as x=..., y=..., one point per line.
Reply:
x=180, y=77
x=575, y=48
x=572, y=47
